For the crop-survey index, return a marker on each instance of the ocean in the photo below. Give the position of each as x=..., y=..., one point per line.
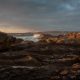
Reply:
x=29, y=38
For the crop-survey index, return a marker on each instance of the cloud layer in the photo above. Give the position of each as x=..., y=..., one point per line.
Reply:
x=39, y=15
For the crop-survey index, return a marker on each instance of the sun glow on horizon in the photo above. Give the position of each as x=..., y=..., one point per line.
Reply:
x=15, y=30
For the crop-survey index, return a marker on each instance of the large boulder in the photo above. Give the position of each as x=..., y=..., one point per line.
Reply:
x=7, y=40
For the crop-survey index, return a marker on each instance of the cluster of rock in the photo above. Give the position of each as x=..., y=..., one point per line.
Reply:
x=30, y=60
x=65, y=39
x=23, y=73
x=35, y=65
x=73, y=35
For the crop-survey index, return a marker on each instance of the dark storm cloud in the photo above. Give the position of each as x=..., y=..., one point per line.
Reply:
x=40, y=14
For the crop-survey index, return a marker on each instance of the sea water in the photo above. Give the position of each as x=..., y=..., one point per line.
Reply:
x=29, y=38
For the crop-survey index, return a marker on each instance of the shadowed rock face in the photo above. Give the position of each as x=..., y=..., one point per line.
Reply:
x=25, y=60
x=3, y=36
x=6, y=41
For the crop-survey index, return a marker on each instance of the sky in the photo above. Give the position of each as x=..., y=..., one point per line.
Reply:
x=39, y=15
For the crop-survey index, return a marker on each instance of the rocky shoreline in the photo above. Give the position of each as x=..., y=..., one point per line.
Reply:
x=27, y=60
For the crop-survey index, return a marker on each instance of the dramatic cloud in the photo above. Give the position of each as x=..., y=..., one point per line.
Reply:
x=39, y=15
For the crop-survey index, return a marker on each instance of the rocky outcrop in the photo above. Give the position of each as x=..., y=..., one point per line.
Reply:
x=67, y=39
x=6, y=41
x=30, y=60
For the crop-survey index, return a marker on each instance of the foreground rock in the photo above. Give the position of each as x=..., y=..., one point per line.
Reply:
x=37, y=73
x=27, y=60
x=6, y=41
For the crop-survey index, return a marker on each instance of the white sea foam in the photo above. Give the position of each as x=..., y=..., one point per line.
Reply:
x=31, y=38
